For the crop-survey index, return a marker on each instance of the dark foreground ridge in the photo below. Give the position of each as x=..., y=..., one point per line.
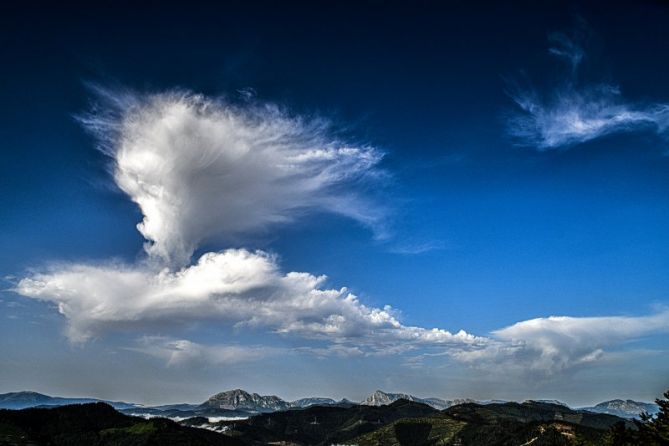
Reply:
x=412, y=423
x=401, y=423
x=98, y=424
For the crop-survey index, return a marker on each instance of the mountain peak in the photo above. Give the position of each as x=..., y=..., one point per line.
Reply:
x=238, y=399
x=623, y=408
x=381, y=398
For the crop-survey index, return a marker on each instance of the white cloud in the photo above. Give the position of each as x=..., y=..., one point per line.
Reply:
x=575, y=112
x=203, y=169
x=416, y=247
x=247, y=290
x=235, y=287
x=549, y=346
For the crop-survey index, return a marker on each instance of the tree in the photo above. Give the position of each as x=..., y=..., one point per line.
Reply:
x=651, y=430
x=655, y=429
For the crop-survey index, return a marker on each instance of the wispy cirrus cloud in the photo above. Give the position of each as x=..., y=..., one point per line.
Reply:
x=575, y=111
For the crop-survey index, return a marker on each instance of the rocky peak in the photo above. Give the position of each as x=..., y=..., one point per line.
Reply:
x=239, y=399
x=381, y=398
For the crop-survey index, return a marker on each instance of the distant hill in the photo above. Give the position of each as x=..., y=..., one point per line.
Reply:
x=532, y=411
x=504, y=424
x=22, y=400
x=624, y=408
x=314, y=401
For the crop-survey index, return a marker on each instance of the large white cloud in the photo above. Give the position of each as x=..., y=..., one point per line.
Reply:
x=247, y=290
x=574, y=112
x=203, y=169
x=234, y=287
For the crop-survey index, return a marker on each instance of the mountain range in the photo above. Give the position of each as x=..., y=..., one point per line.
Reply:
x=237, y=403
x=401, y=423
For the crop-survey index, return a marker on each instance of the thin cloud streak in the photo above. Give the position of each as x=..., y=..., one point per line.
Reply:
x=568, y=48
x=574, y=112
x=185, y=353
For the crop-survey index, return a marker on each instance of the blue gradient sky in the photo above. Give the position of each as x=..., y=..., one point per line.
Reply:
x=484, y=230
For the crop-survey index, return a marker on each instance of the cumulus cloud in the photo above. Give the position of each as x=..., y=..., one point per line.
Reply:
x=544, y=347
x=574, y=112
x=234, y=287
x=247, y=290
x=203, y=169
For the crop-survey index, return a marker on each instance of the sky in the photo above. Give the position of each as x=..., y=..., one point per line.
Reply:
x=450, y=200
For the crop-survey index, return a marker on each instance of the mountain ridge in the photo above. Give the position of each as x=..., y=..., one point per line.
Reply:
x=381, y=398
x=26, y=398
x=240, y=403
x=399, y=423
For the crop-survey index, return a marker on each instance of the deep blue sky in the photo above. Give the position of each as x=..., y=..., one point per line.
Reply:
x=513, y=233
